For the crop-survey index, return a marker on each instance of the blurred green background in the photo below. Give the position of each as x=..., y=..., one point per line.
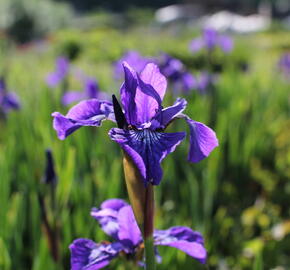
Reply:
x=238, y=197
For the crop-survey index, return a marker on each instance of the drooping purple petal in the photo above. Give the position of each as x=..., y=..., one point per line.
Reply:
x=147, y=149
x=129, y=233
x=86, y=113
x=128, y=93
x=150, y=92
x=86, y=254
x=182, y=238
x=202, y=140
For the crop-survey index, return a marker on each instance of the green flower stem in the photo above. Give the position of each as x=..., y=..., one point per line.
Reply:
x=149, y=253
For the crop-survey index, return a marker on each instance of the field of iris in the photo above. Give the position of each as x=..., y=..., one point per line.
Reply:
x=238, y=197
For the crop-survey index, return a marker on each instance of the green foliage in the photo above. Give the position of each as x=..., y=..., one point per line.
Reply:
x=238, y=197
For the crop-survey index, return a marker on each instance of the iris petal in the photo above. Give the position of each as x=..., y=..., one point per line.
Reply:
x=129, y=233
x=202, y=140
x=128, y=93
x=86, y=113
x=150, y=92
x=147, y=149
x=184, y=239
x=162, y=119
x=86, y=254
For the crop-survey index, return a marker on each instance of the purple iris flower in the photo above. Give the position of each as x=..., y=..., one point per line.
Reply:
x=117, y=220
x=210, y=40
x=284, y=63
x=91, y=90
x=60, y=73
x=175, y=71
x=141, y=123
x=8, y=100
x=134, y=59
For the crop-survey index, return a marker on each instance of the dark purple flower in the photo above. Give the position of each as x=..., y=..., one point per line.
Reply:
x=60, y=73
x=91, y=90
x=175, y=71
x=284, y=63
x=210, y=40
x=8, y=100
x=141, y=126
x=49, y=175
x=134, y=59
x=117, y=219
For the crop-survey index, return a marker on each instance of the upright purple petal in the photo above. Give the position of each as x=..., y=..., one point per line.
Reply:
x=202, y=141
x=128, y=93
x=129, y=233
x=150, y=92
x=86, y=113
x=147, y=149
x=184, y=239
x=86, y=254
x=115, y=204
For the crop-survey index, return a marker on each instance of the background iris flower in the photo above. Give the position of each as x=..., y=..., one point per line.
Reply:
x=8, y=100
x=284, y=64
x=61, y=71
x=134, y=59
x=91, y=90
x=175, y=71
x=142, y=122
x=116, y=218
x=210, y=40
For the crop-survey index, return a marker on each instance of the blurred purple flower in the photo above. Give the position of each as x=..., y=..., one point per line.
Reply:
x=91, y=90
x=204, y=81
x=284, y=63
x=60, y=73
x=8, y=100
x=116, y=218
x=141, y=126
x=211, y=40
x=49, y=175
x=134, y=59
x=175, y=71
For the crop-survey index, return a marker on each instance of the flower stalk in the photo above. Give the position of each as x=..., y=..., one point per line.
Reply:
x=142, y=200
